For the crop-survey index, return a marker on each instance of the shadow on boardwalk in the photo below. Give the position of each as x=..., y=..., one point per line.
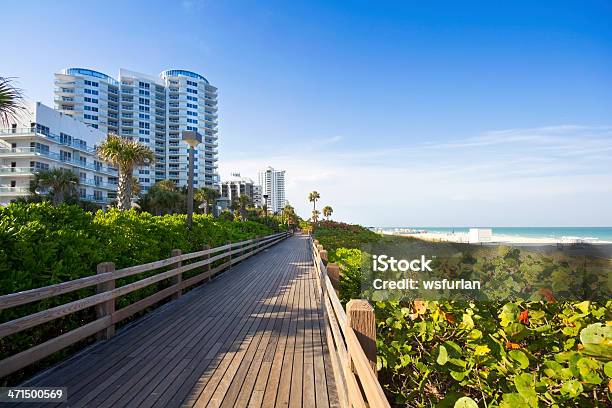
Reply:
x=254, y=336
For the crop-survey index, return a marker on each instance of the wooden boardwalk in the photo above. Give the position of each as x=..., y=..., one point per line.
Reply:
x=252, y=337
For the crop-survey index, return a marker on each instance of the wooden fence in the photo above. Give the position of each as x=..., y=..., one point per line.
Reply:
x=104, y=300
x=351, y=338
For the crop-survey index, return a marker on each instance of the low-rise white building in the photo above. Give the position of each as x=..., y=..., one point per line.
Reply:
x=236, y=186
x=43, y=138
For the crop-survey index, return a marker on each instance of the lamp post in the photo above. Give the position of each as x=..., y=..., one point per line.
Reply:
x=265, y=205
x=192, y=139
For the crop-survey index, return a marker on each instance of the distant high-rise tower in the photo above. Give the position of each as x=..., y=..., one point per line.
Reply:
x=272, y=184
x=152, y=111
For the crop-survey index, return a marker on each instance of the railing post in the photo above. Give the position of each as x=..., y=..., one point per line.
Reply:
x=230, y=255
x=323, y=255
x=176, y=279
x=108, y=307
x=360, y=317
x=207, y=266
x=333, y=271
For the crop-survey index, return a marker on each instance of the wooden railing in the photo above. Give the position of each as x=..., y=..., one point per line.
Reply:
x=104, y=300
x=351, y=338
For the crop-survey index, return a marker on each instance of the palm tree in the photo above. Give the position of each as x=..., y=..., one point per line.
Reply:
x=207, y=196
x=327, y=211
x=315, y=216
x=11, y=101
x=244, y=201
x=162, y=198
x=313, y=197
x=61, y=182
x=289, y=217
x=136, y=188
x=125, y=155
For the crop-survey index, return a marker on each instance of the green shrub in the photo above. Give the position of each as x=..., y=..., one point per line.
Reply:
x=41, y=245
x=515, y=354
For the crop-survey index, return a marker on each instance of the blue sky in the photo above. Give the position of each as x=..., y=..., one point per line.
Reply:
x=398, y=113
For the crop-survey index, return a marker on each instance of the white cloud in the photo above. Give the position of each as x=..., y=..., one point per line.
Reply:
x=543, y=176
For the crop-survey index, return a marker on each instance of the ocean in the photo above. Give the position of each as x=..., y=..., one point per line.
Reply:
x=601, y=233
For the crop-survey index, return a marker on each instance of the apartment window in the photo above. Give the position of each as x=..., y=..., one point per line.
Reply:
x=91, y=100
x=41, y=129
x=192, y=106
x=66, y=139
x=192, y=98
x=83, y=160
x=13, y=183
x=143, y=92
x=144, y=125
x=39, y=147
x=144, y=116
x=192, y=113
x=98, y=180
x=192, y=83
x=94, y=125
x=90, y=108
x=144, y=109
x=143, y=85
x=97, y=195
x=65, y=156
x=143, y=101
x=38, y=165
x=193, y=91
x=97, y=165
x=91, y=91
x=194, y=121
x=143, y=180
x=194, y=128
x=82, y=193
x=91, y=83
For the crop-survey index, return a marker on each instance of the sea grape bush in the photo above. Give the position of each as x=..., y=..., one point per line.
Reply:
x=41, y=245
x=476, y=354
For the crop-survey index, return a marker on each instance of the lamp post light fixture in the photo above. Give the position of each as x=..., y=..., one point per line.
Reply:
x=192, y=139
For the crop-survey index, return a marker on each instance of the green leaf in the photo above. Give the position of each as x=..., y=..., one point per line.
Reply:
x=442, y=356
x=513, y=400
x=597, y=340
x=519, y=357
x=516, y=331
x=525, y=386
x=608, y=369
x=509, y=314
x=552, y=369
x=466, y=402
x=571, y=388
x=481, y=350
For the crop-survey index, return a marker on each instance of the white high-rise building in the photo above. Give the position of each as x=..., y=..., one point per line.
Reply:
x=42, y=139
x=272, y=184
x=152, y=110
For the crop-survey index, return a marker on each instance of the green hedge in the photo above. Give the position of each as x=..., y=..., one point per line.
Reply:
x=476, y=354
x=41, y=245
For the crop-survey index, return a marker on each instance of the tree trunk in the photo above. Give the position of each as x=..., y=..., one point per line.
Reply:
x=124, y=190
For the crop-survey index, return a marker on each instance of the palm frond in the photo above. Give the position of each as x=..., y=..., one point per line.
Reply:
x=11, y=101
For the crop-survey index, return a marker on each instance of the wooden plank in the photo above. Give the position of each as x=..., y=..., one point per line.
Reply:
x=213, y=392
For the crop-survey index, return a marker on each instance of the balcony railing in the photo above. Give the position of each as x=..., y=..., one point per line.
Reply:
x=14, y=190
x=57, y=157
x=17, y=170
x=74, y=143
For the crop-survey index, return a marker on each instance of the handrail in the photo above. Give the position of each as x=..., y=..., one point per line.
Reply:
x=357, y=383
x=107, y=293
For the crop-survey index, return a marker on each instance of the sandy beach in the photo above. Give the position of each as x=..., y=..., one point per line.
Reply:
x=496, y=238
